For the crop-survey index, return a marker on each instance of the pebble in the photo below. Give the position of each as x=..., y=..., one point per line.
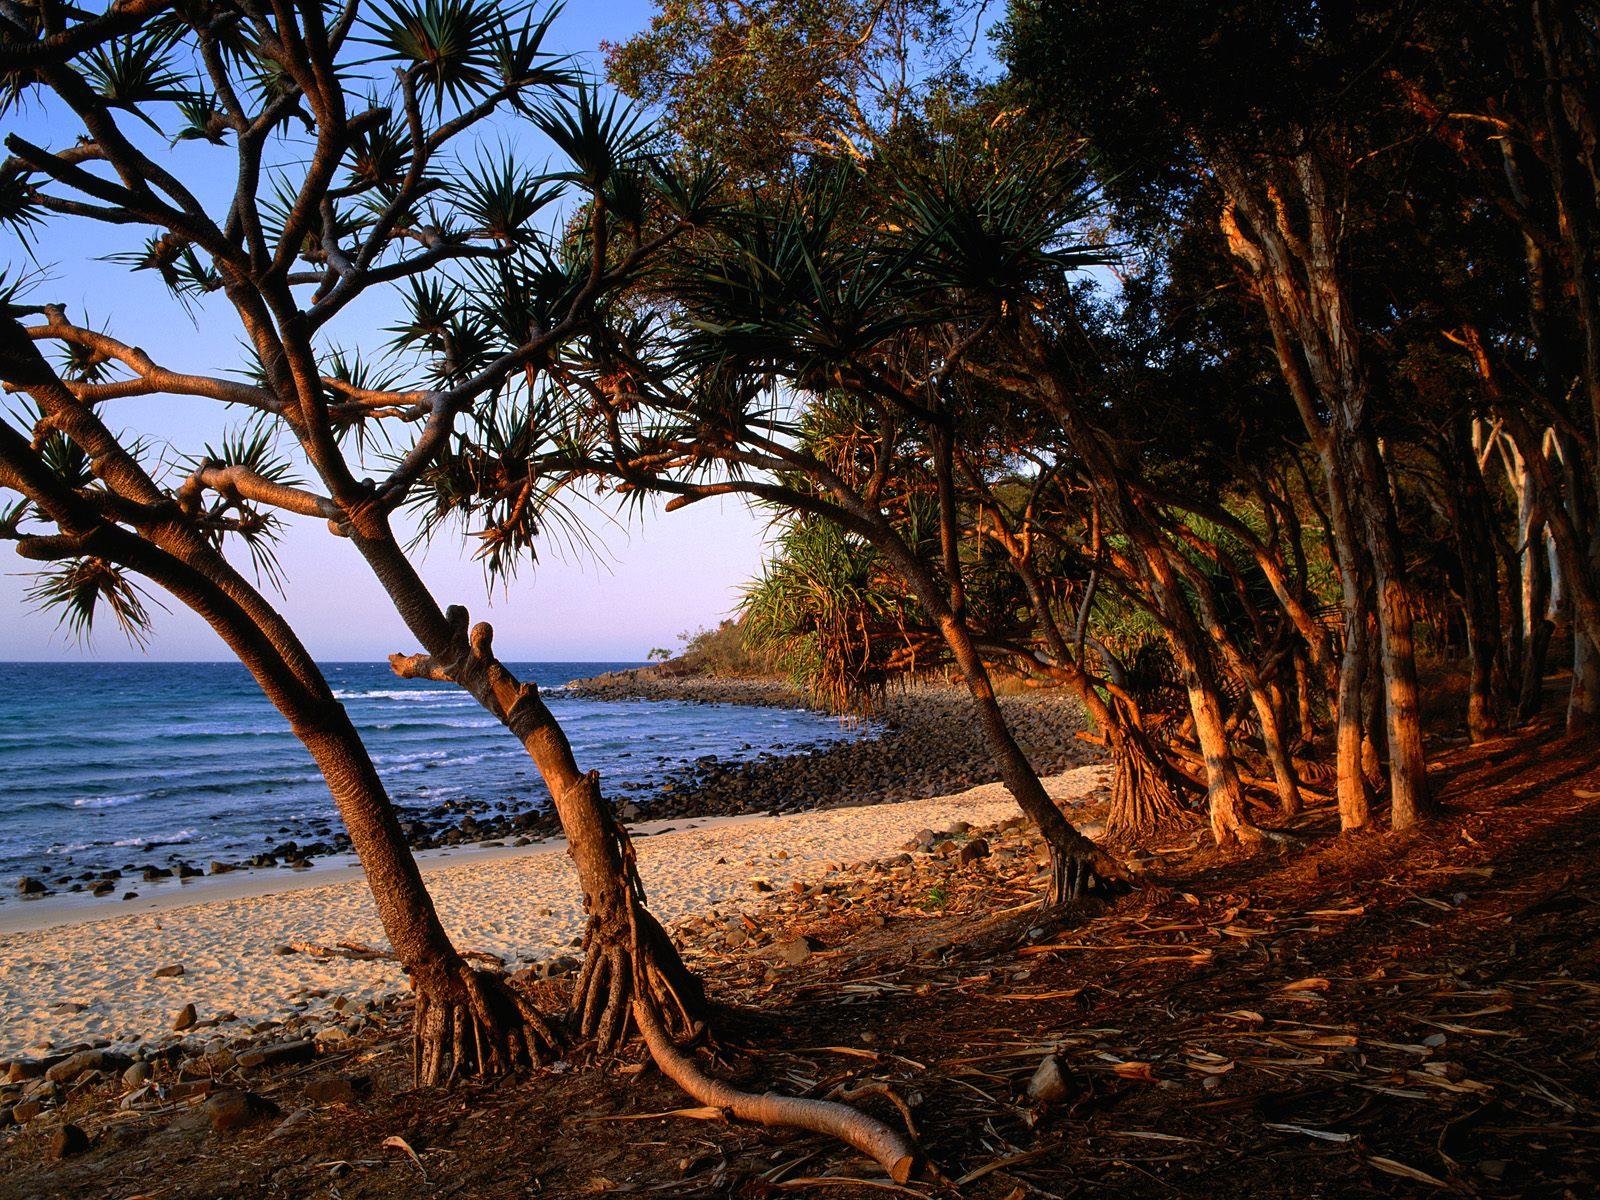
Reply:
x=185, y=1018
x=1049, y=1082
x=331, y=1089
x=977, y=848
x=169, y=972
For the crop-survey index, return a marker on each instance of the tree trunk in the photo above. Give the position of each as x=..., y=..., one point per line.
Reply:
x=623, y=942
x=1076, y=863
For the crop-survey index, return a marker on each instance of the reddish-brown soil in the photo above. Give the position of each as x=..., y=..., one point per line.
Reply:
x=1414, y=1015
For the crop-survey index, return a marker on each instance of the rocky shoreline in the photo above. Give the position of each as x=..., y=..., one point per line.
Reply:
x=921, y=742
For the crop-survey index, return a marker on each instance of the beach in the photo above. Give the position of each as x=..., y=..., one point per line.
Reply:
x=70, y=976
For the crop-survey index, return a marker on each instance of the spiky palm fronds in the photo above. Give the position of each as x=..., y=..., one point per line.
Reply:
x=991, y=233
x=186, y=274
x=20, y=210
x=826, y=612
x=134, y=71
x=499, y=199
x=512, y=482
x=203, y=119
x=799, y=286
x=452, y=47
x=597, y=136
x=78, y=589
x=253, y=446
x=379, y=156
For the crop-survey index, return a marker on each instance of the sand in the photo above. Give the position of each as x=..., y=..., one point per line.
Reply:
x=520, y=904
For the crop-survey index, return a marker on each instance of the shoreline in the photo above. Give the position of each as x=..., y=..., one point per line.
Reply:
x=94, y=981
x=921, y=743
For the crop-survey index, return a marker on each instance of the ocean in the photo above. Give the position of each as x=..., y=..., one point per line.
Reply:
x=108, y=765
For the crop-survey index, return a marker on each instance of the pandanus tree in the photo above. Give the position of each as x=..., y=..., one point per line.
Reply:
x=341, y=132
x=1273, y=155
x=387, y=199
x=703, y=386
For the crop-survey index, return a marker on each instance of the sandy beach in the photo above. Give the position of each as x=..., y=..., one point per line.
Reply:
x=70, y=975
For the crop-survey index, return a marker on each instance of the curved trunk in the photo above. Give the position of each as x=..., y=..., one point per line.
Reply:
x=613, y=895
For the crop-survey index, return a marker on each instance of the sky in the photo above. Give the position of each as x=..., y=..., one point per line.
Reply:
x=656, y=577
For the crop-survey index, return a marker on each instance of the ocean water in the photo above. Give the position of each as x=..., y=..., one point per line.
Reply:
x=103, y=765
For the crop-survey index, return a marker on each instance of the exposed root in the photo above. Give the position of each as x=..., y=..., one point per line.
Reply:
x=1143, y=802
x=616, y=963
x=887, y=1146
x=476, y=1022
x=626, y=953
x=1081, y=868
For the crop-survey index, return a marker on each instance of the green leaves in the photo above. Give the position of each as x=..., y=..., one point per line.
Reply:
x=990, y=231
x=133, y=71
x=599, y=137
x=79, y=589
x=452, y=47
x=499, y=199
x=20, y=210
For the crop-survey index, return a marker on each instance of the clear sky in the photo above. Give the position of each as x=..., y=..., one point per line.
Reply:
x=658, y=576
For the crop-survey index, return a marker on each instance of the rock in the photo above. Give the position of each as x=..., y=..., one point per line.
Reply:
x=170, y=972
x=228, y=1111
x=277, y=1054
x=104, y=888
x=26, y=1110
x=923, y=838
x=761, y=885
x=1049, y=1082
x=331, y=1089
x=137, y=1075
x=977, y=848
x=23, y=1069
x=67, y=1008
x=83, y=1062
x=185, y=1018
x=795, y=951
x=961, y=827
x=221, y=868
x=29, y=886
x=734, y=939
x=558, y=966
x=69, y=1140
x=331, y=1038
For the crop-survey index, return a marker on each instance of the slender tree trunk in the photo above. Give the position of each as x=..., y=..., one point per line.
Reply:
x=623, y=943
x=1408, y=776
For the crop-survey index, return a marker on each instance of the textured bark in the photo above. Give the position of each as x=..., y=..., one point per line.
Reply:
x=622, y=940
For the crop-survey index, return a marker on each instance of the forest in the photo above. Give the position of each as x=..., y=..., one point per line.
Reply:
x=1230, y=370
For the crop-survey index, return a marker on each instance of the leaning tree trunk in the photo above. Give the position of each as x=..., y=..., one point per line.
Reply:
x=454, y=1000
x=621, y=933
x=468, y=1019
x=1143, y=801
x=1076, y=863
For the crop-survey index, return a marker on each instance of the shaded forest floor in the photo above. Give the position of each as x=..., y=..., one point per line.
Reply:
x=1369, y=1015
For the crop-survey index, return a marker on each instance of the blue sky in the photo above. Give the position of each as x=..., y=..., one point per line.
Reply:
x=658, y=575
